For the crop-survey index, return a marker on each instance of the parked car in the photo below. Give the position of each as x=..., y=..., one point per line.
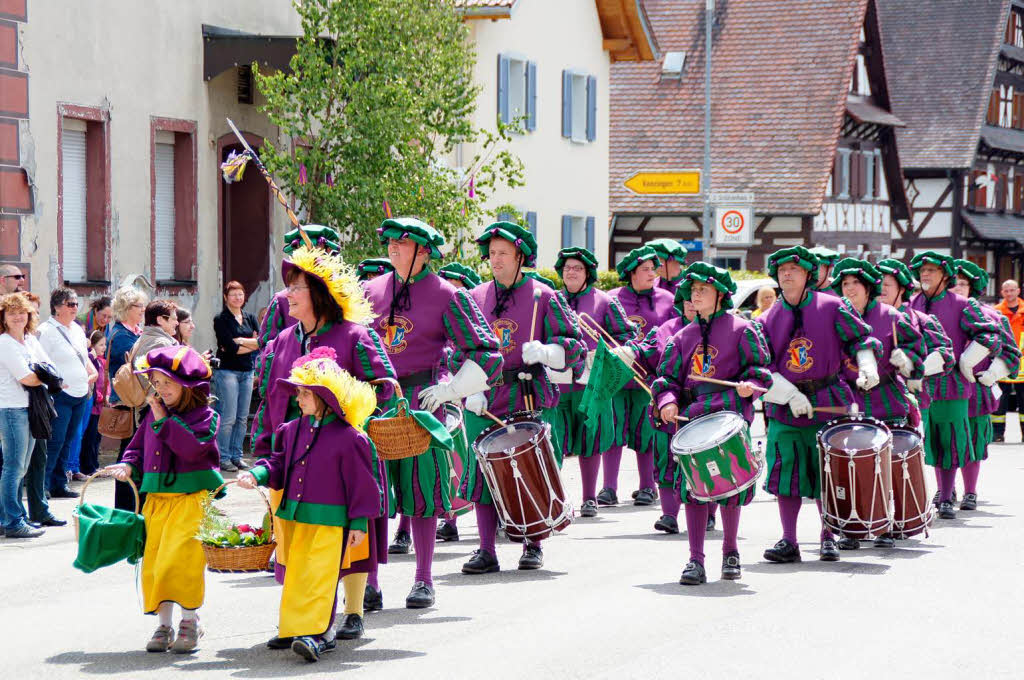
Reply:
x=745, y=299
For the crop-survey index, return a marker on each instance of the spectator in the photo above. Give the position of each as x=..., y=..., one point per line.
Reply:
x=129, y=309
x=232, y=381
x=101, y=313
x=12, y=279
x=186, y=327
x=18, y=349
x=90, y=458
x=65, y=343
x=765, y=299
x=161, y=326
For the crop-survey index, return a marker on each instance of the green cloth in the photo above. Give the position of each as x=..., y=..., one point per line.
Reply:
x=415, y=229
x=608, y=375
x=428, y=472
x=897, y=270
x=943, y=262
x=792, y=451
x=863, y=270
x=947, y=442
x=824, y=255
x=540, y=279
x=796, y=254
x=460, y=272
x=975, y=274
x=981, y=436
x=108, y=535
x=632, y=412
x=583, y=255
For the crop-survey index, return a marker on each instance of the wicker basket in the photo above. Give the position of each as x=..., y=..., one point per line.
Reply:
x=102, y=472
x=398, y=437
x=241, y=558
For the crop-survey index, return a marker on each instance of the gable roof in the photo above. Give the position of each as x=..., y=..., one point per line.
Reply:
x=781, y=74
x=941, y=60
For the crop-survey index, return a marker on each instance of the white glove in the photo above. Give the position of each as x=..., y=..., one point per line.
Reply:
x=560, y=377
x=867, y=370
x=469, y=380
x=536, y=352
x=781, y=391
x=589, y=363
x=902, y=362
x=800, y=405
x=915, y=385
x=933, y=364
x=625, y=353
x=997, y=371
x=476, y=403
x=997, y=392
x=972, y=355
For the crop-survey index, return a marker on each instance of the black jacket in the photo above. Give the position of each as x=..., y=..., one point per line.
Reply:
x=40, y=402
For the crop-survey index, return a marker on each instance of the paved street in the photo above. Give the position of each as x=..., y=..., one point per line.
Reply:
x=606, y=605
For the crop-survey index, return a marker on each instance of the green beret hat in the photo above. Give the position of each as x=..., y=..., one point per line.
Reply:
x=825, y=255
x=797, y=254
x=863, y=270
x=415, y=229
x=710, y=274
x=667, y=247
x=975, y=274
x=577, y=253
x=521, y=238
x=897, y=270
x=325, y=238
x=457, y=271
x=541, y=279
x=943, y=262
x=373, y=265
x=634, y=259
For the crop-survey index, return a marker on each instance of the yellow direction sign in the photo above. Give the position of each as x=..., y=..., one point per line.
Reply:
x=665, y=182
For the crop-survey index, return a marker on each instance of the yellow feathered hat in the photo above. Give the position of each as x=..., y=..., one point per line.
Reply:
x=340, y=278
x=350, y=398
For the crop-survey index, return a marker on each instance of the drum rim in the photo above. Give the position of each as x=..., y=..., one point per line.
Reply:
x=685, y=450
x=495, y=429
x=854, y=420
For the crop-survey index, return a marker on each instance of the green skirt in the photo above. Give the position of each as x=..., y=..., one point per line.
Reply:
x=665, y=466
x=947, y=441
x=570, y=433
x=981, y=437
x=633, y=422
x=794, y=468
x=421, y=484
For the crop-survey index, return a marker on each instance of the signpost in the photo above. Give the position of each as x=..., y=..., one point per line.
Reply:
x=665, y=182
x=734, y=219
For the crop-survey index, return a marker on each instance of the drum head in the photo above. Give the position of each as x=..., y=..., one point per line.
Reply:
x=905, y=441
x=503, y=440
x=706, y=432
x=855, y=437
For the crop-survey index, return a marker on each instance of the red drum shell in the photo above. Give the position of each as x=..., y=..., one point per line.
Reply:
x=913, y=512
x=856, y=483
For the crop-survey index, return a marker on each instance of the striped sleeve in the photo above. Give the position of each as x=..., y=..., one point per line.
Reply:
x=559, y=329
x=647, y=350
x=979, y=328
x=667, y=386
x=936, y=340
x=471, y=336
x=1009, y=352
x=371, y=362
x=911, y=341
x=272, y=324
x=854, y=333
x=618, y=324
x=755, y=359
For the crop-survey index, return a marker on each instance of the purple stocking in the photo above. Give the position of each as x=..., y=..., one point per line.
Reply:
x=424, y=531
x=789, y=510
x=696, y=527
x=731, y=527
x=371, y=575
x=712, y=509
x=589, y=468
x=669, y=502
x=947, y=483
x=404, y=523
x=487, y=525
x=645, y=464
x=970, y=473
x=826, y=533
x=612, y=458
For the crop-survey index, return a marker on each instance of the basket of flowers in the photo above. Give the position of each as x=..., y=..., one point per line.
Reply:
x=233, y=547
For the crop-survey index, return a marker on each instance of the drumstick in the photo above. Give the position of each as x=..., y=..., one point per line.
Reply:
x=583, y=316
x=527, y=396
x=683, y=418
x=726, y=383
x=533, y=321
x=499, y=421
x=839, y=410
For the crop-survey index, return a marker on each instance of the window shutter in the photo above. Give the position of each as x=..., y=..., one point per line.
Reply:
x=567, y=104
x=163, y=191
x=503, y=107
x=980, y=197
x=590, y=234
x=1001, y=188
x=531, y=223
x=504, y=217
x=566, y=231
x=993, y=108
x=855, y=179
x=73, y=173
x=531, y=95
x=876, y=186
x=862, y=173
x=1018, y=184
x=591, y=108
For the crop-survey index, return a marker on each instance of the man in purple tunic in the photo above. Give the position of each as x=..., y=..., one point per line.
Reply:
x=672, y=254
x=418, y=314
x=531, y=350
x=647, y=306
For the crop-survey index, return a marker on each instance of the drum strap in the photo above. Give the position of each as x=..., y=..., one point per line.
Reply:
x=691, y=394
x=417, y=379
x=809, y=387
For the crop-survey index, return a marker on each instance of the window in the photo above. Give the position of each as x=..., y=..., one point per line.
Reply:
x=579, y=107
x=860, y=84
x=83, y=197
x=74, y=190
x=517, y=91
x=173, y=221
x=728, y=261
x=578, y=230
x=1015, y=30
x=1018, y=193
x=1005, y=106
x=163, y=201
x=672, y=65
x=841, y=183
x=992, y=117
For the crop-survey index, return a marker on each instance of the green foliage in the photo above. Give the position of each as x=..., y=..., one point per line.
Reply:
x=379, y=94
x=216, y=529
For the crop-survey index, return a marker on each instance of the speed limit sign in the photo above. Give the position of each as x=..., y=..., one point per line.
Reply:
x=733, y=225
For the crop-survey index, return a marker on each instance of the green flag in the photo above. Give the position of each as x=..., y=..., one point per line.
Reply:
x=608, y=375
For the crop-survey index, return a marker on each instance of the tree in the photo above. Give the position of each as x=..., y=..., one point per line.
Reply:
x=379, y=94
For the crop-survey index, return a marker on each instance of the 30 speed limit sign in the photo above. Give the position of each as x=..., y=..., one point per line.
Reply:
x=733, y=225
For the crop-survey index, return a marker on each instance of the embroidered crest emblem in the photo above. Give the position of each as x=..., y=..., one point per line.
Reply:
x=800, y=359
x=640, y=321
x=703, y=364
x=396, y=337
x=504, y=329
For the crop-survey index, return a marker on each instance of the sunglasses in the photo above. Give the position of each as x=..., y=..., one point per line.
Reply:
x=73, y=303
x=20, y=277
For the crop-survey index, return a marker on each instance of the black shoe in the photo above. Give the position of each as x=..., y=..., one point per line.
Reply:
x=970, y=502
x=885, y=541
x=420, y=597
x=482, y=562
x=311, y=647
x=280, y=642
x=693, y=574
x=847, y=543
x=240, y=464
x=351, y=627
x=711, y=523
x=783, y=551
x=588, y=509
x=668, y=524
x=731, y=566
x=373, y=599
x=946, y=510
x=447, y=532
x=936, y=500
x=607, y=497
x=63, y=492
x=828, y=552
x=635, y=494
x=51, y=521
x=997, y=438
x=401, y=544
x=645, y=497
x=532, y=558
x=24, y=531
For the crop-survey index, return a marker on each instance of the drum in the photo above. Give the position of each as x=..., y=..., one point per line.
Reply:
x=912, y=508
x=522, y=474
x=856, y=489
x=456, y=426
x=716, y=457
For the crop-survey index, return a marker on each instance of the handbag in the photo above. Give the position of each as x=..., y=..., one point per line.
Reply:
x=115, y=422
x=126, y=383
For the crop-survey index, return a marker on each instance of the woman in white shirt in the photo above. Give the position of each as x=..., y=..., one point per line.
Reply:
x=18, y=349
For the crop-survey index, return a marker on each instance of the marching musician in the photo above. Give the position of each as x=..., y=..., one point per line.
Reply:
x=672, y=254
x=726, y=347
x=647, y=306
x=975, y=338
x=827, y=259
x=372, y=267
x=553, y=342
x=810, y=334
x=578, y=268
x=419, y=314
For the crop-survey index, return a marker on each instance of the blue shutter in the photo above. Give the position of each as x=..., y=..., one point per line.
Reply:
x=591, y=108
x=503, y=109
x=504, y=217
x=566, y=231
x=567, y=104
x=531, y=95
x=590, y=234
x=531, y=222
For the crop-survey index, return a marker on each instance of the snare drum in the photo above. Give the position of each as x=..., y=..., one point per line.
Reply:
x=456, y=426
x=856, y=489
x=522, y=474
x=716, y=457
x=912, y=508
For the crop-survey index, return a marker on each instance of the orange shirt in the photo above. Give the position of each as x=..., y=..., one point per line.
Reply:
x=1016, y=319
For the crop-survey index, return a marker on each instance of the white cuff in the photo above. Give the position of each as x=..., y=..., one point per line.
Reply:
x=781, y=390
x=469, y=380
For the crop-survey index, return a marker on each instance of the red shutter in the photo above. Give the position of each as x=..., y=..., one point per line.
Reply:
x=1000, y=190
x=980, y=193
x=1015, y=121
x=876, y=188
x=1009, y=29
x=1018, y=186
x=993, y=108
x=855, y=181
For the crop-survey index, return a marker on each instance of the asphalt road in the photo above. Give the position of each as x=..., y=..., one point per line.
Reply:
x=607, y=604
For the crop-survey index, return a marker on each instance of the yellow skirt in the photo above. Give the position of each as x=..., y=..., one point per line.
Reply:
x=316, y=557
x=275, y=501
x=173, y=564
